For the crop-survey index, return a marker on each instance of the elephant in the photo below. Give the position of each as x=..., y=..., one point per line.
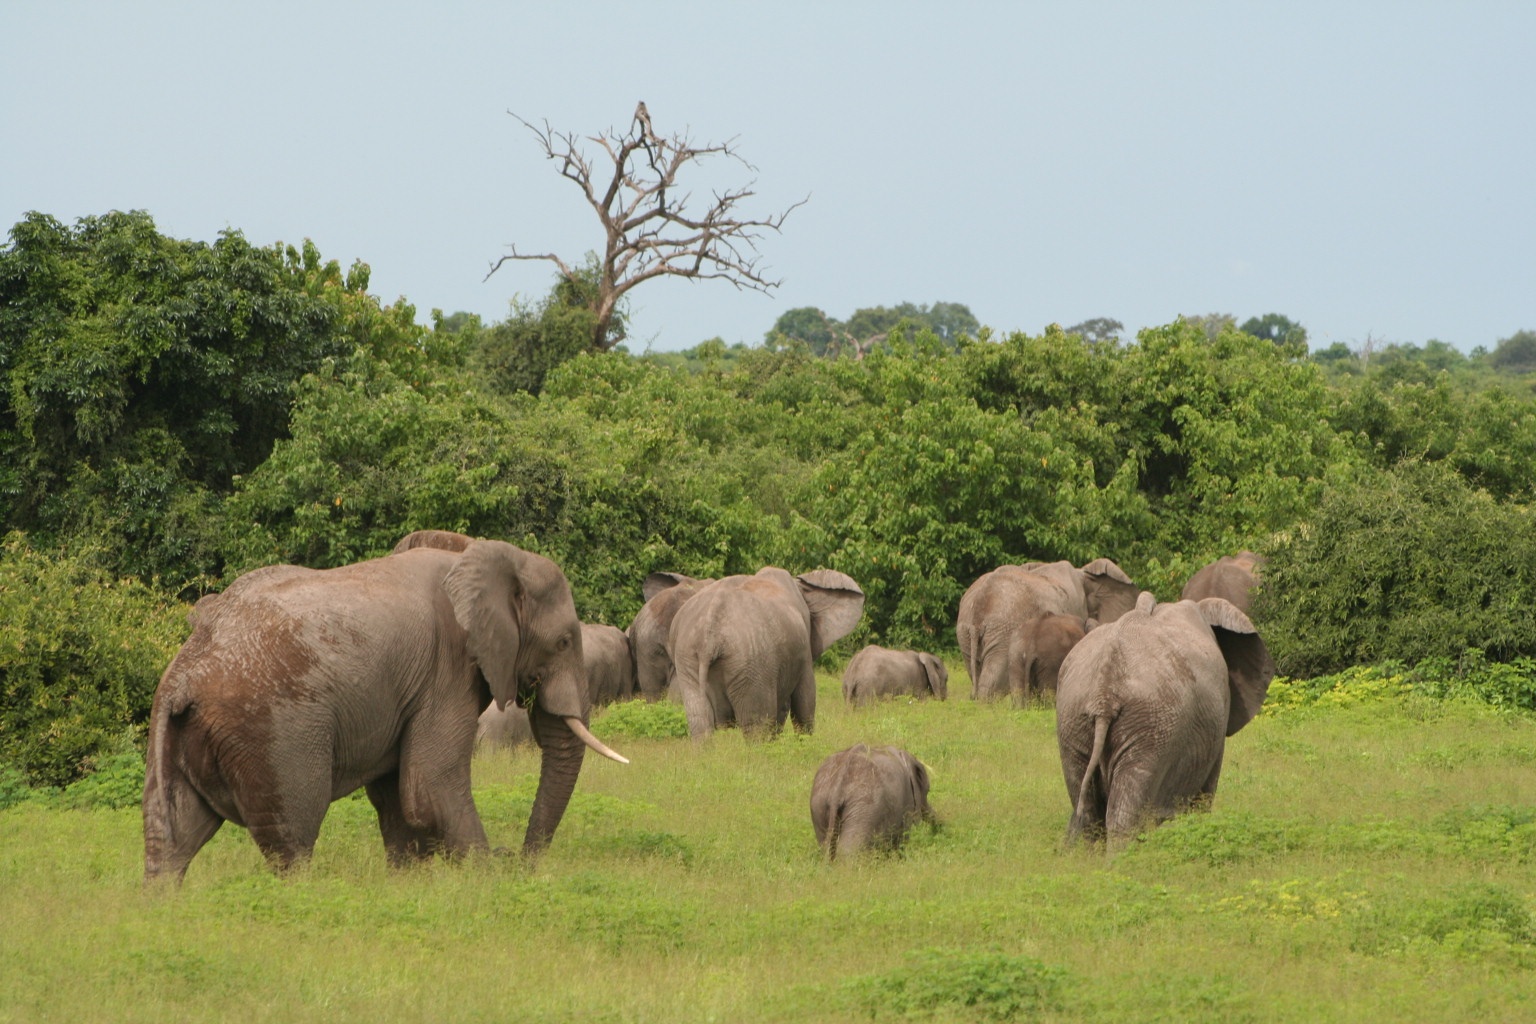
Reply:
x=1043, y=644
x=665, y=593
x=743, y=648
x=610, y=664
x=996, y=607
x=881, y=672
x=503, y=728
x=867, y=798
x=298, y=686
x=1144, y=707
x=1233, y=577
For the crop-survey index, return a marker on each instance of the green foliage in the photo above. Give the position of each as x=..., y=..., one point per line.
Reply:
x=870, y=328
x=643, y=720
x=1516, y=353
x=989, y=985
x=139, y=374
x=1477, y=919
x=518, y=353
x=1409, y=564
x=80, y=656
x=1280, y=330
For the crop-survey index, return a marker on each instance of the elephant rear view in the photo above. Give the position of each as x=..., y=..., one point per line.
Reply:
x=743, y=648
x=877, y=672
x=1144, y=707
x=994, y=623
x=868, y=798
x=665, y=593
x=610, y=663
x=1233, y=577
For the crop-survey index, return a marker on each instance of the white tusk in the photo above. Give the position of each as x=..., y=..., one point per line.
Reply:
x=592, y=741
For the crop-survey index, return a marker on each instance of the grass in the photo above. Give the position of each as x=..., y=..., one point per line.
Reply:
x=1364, y=861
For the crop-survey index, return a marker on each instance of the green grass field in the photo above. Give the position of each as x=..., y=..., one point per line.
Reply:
x=1374, y=862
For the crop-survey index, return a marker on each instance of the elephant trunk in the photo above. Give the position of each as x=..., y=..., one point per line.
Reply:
x=562, y=752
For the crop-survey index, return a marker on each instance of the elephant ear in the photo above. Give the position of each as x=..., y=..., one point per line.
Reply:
x=917, y=776
x=658, y=582
x=835, y=602
x=1249, y=666
x=486, y=592
x=1108, y=590
x=938, y=675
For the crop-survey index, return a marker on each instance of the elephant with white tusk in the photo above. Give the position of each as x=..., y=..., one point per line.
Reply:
x=298, y=686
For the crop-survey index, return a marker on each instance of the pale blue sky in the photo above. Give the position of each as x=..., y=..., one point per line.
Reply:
x=1366, y=168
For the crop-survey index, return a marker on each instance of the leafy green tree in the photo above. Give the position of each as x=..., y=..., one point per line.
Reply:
x=1098, y=331
x=1515, y=354
x=806, y=324
x=1282, y=330
x=1408, y=564
x=142, y=374
x=519, y=352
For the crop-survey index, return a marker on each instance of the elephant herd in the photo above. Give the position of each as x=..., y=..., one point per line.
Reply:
x=299, y=686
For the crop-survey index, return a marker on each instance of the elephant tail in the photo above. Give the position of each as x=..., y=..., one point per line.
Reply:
x=1088, y=788
x=160, y=766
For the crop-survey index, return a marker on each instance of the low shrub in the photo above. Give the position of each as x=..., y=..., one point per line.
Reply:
x=987, y=985
x=80, y=656
x=639, y=719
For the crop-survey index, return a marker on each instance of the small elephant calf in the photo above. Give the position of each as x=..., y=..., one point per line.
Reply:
x=880, y=672
x=867, y=797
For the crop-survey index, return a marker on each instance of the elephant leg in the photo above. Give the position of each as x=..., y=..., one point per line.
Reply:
x=802, y=703
x=187, y=826
x=403, y=842
x=696, y=705
x=435, y=795
x=991, y=680
x=755, y=705
x=283, y=807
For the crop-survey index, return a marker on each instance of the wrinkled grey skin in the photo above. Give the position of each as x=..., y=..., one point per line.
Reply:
x=298, y=686
x=881, y=672
x=996, y=607
x=868, y=798
x=610, y=665
x=503, y=728
x=1232, y=578
x=1042, y=645
x=1144, y=707
x=665, y=593
x=743, y=648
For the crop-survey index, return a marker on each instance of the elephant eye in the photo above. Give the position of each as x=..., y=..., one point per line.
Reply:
x=565, y=643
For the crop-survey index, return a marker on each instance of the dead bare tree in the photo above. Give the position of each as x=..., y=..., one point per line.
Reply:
x=649, y=230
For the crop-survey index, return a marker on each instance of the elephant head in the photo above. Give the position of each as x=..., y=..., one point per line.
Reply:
x=938, y=675
x=522, y=632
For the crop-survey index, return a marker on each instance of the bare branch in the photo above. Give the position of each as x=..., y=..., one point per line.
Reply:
x=649, y=230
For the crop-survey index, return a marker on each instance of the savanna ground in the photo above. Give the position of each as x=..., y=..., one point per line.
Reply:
x=1370, y=860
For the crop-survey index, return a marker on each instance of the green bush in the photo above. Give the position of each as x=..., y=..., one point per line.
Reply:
x=988, y=985
x=642, y=719
x=80, y=656
x=1410, y=564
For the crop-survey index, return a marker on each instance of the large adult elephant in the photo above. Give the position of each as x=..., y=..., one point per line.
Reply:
x=1145, y=706
x=610, y=663
x=743, y=648
x=868, y=798
x=878, y=671
x=1231, y=577
x=665, y=593
x=298, y=686
x=997, y=607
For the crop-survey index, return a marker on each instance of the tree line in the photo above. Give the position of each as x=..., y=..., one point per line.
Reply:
x=175, y=413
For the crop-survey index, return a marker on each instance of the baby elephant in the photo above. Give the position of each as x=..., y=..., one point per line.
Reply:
x=880, y=672
x=866, y=797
